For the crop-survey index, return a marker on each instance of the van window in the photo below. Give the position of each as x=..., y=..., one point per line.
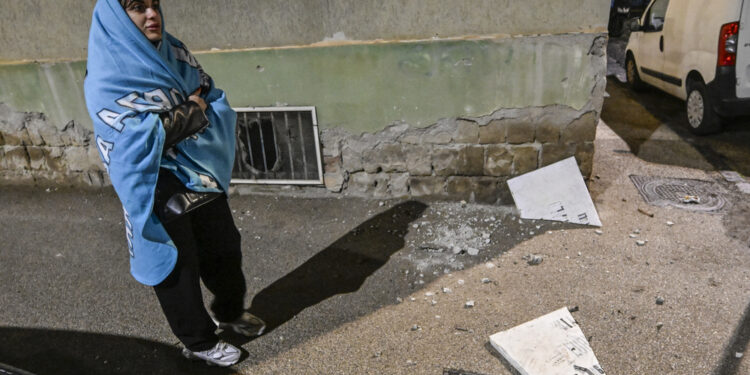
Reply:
x=654, y=20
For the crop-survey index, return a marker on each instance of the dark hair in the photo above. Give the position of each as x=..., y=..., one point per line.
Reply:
x=125, y=3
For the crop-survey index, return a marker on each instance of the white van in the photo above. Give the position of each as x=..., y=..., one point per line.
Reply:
x=698, y=51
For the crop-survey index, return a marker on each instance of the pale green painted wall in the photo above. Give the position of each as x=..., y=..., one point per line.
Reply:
x=362, y=88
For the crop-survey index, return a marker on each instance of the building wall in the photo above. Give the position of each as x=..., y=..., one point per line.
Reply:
x=58, y=29
x=427, y=98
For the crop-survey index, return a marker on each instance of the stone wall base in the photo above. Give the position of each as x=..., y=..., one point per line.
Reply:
x=458, y=159
x=35, y=152
x=455, y=159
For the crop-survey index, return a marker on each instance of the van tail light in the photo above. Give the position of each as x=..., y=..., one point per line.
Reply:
x=728, y=44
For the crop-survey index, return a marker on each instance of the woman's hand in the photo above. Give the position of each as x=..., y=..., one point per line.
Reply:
x=195, y=97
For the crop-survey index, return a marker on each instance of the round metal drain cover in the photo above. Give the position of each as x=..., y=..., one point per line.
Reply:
x=663, y=191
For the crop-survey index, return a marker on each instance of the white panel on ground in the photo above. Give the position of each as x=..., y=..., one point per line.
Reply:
x=550, y=345
x=555, y=192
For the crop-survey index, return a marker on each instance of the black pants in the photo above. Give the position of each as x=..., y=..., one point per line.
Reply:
x=208, y=248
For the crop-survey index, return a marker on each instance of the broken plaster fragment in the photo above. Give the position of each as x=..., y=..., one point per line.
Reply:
x=599, y=232
x=640, y=243
x=533, y=260
x=486, y=281
x=469, y=304
x=690, y=199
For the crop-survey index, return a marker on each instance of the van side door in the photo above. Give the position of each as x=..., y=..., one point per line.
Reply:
x=650, y=54
x=743, y=53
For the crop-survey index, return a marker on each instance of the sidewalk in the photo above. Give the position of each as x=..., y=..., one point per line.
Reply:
x=348, y=285
x=700, y=273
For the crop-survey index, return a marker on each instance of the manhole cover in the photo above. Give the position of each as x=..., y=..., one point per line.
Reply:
x=688, y=194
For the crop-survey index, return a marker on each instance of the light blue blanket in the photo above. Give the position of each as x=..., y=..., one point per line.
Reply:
x=128, y=82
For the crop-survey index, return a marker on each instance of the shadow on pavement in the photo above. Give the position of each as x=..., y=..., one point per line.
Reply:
x=730, y=365
x=340, y=268
x=44, y=351
x=637, y=117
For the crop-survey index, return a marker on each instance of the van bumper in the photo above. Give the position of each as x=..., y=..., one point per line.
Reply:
x=724, y=89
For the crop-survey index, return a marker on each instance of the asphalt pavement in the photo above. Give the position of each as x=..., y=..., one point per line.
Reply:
x=356, y=286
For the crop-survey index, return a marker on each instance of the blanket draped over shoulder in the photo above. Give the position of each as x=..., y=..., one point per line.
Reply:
x=129, y=82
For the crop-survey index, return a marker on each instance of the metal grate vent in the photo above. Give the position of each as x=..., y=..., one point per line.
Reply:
x=277, y=145
x=663, y=191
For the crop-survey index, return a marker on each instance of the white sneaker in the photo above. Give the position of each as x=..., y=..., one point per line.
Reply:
x=247, y=325
x=222, y=354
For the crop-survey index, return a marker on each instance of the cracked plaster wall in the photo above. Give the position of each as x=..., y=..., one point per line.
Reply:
x=468, y=113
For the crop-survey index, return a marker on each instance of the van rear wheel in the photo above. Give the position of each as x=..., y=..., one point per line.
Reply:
x=700, y=110
x=631, y=72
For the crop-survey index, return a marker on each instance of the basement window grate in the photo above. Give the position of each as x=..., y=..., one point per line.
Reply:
x=277, y=145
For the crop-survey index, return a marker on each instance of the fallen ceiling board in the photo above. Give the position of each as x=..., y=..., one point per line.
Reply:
x=550, y=345
x=556, y=192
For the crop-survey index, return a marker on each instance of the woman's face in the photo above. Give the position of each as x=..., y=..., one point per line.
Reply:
x=146, y=15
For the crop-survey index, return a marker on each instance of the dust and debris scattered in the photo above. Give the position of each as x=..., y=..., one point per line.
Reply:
x=659, y=301
x=469, y=304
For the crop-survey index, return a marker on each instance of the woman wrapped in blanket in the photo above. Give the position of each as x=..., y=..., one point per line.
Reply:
x=166, y=136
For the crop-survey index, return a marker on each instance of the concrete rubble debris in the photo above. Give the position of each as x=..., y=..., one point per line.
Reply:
x=659, y=300
x=640, y=243
x=690, y=199
x=469, y=304
x=569, y=201
x=533, y=260
x=633, y=235
x=486, y=281
x=549, y=345
x=447, y=290
x=599, y=232
x=738, y=355
x=670, y=223
x=416, y=328
x=659, y=325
